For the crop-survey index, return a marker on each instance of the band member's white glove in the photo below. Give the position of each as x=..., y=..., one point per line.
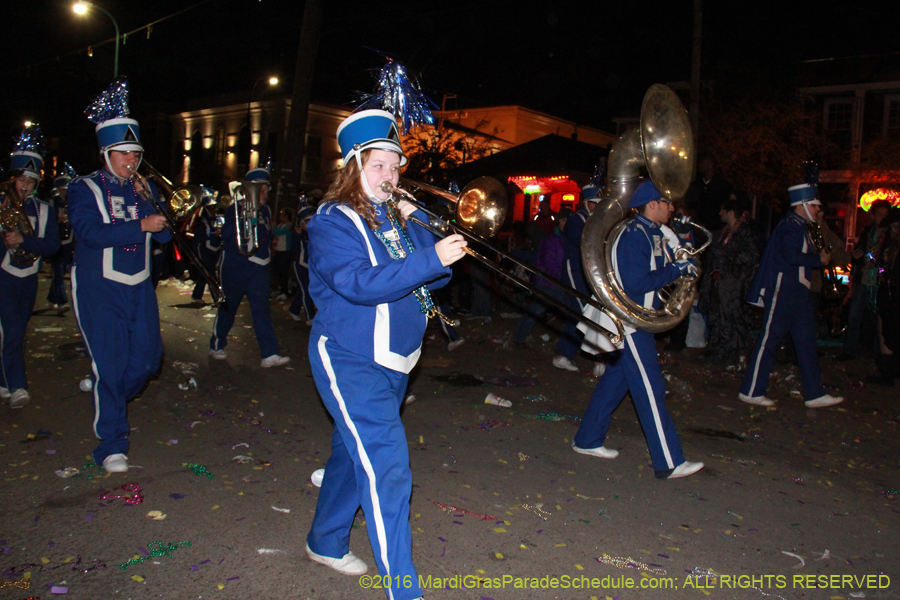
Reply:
x=687, y=266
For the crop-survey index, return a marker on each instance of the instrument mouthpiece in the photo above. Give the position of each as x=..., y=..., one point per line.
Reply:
x=387, y=187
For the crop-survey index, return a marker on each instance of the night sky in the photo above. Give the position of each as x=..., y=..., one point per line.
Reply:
x=583, y=61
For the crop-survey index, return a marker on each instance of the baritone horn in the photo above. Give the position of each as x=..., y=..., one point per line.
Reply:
x=664, y=146
x=13, y=218
x=245, y=200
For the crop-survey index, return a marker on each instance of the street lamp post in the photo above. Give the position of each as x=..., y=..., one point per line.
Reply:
x=273, y=81
x=81, y=7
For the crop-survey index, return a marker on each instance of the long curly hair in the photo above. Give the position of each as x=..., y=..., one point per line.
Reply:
x=347, y=189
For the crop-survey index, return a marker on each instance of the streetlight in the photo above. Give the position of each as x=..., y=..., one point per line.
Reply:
x=273, y=81
x=81, y=7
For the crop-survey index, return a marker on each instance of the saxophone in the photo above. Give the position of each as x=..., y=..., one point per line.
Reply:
x=13, y=219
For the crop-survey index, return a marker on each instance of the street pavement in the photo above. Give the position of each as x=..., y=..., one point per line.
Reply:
x=502, y=508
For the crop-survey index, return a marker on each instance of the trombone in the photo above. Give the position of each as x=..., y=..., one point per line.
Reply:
x=183, y=200
x=481, y=209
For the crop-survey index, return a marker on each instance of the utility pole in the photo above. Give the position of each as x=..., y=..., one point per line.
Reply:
x=295, y=135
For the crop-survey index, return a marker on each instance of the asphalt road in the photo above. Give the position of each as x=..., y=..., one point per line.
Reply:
x=502, y=509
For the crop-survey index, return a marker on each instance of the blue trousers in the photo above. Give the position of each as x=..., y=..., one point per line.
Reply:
x=120, y=328
x=634, y=369
x=785, y=313
x=209, y=259
x=369, y=463
x=570, y=340
x=536, y=309
x=239, y=278
x=302, y=299
x=17, y=296
x=59, y=265
x=862, y=322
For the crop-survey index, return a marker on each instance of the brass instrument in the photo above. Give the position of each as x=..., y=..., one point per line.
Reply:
x=663, y=145
x=481, y=210
x=245, y=200
x=181, y=201
x=837, y=325
x=13, y=218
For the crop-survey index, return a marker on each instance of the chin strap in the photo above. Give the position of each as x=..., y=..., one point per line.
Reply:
x=106, y=152
x=806, y=210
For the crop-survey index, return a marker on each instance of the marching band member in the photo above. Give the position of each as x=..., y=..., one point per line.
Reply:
x=300, y=246
x=247, y=276
x=573, y=276
x=368, y=272
x=18, y=278
x=60, y=262
x=112, y=293
x=207, y=243
x=781, y=287
x=643, y=264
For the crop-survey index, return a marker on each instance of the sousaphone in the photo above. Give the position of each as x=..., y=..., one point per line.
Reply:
x=663, y=146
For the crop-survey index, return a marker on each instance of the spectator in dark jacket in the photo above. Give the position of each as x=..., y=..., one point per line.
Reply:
x=549, y=260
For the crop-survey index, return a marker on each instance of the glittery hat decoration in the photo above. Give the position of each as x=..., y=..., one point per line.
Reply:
x=593, y=190
x=808, y=191
x=261, y=172
x=66, y=175
x=400, y=96
x=27, y=154
x=115, y=130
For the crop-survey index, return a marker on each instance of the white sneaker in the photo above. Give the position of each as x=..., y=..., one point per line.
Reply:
x=317, y=476
x=456, y=344
x=274, y=361
x=826, y=400
x=116, y=463
x=684, y=469
x=350, y=564
x=561, y=362
x=757, y=400
x=280, y=298
x=4, y=393
x=599, y=368
x=295, y=317
x=21, y=397
x=218, y=354
x=601, y=452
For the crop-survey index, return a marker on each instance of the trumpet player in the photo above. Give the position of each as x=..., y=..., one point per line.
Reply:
x=781, y=287
x=29, y=232
x=112, y=293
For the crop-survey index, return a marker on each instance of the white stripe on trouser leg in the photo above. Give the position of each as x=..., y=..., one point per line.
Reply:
x=652, y=398
x=363, y=457
x=3, y=337
x=218, y=308
x=95, y=390
x=572, y=282
x=762, y=345
x=300, y=290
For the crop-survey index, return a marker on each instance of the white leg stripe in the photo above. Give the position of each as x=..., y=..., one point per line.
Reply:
x=94, y=391
x=363, y=457
x=2, y=336
x=572, y=282
x=653, y=407
x=218, y=308
x=766, y=329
